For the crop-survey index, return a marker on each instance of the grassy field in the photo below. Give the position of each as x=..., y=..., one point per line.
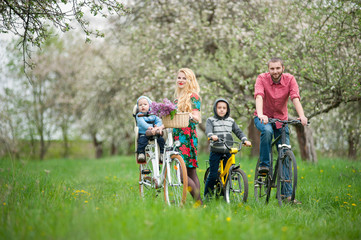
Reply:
x=98, y=199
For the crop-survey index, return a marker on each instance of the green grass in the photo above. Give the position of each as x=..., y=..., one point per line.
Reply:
x=98, y=199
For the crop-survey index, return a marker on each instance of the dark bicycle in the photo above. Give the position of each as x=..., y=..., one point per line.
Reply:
x=278, y=176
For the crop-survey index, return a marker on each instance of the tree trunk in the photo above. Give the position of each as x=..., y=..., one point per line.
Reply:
x=113, y=149
x=352, y=145
x=98, y=146
x=64, y=130
x=305, y=141
x=254, y=136
x=42, y=147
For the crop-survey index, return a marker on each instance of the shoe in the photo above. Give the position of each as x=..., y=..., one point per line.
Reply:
x=295, y=201
x=263, y=169
x=141, y=158
x=161, y=158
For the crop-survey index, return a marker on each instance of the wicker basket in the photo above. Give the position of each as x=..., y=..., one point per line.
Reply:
x=180, y=120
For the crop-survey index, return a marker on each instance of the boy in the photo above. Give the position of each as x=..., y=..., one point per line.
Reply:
x=148, y=125
x=220, y=126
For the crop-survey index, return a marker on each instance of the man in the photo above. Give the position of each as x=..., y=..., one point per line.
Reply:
x=272, y=90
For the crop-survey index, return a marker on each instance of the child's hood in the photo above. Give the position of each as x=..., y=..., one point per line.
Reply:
x=215, y=108
x=145, y=97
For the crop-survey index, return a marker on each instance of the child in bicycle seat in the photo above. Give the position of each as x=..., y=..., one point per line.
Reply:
x=220, y=126
x=148, y=125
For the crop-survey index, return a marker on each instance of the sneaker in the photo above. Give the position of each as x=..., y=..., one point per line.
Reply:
x=295, y=201
x=263, y=169
x=161, y=158
x=141, y=158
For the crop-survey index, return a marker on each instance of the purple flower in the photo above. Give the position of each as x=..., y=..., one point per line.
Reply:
x=163, y=109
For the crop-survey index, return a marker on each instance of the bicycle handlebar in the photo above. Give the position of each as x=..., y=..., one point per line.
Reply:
x=292, y=122
x=221, y=140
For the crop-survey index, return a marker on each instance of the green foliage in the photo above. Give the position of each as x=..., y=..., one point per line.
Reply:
x=99, y=199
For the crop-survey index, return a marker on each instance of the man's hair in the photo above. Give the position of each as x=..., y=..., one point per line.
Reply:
x=275, y=59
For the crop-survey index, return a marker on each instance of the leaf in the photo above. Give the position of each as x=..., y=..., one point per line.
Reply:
x=172, y=114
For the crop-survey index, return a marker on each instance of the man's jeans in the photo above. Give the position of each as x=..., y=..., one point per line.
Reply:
x=267, y=132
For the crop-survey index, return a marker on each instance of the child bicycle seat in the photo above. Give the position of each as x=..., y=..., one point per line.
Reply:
x=136, y=129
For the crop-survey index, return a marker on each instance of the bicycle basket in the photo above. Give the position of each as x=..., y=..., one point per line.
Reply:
x=180, y=120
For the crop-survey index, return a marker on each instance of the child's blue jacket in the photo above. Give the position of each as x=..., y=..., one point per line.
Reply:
x=144, y=123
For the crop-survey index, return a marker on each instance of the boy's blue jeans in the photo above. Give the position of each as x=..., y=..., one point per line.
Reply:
x=268, y=131
x=214, y=160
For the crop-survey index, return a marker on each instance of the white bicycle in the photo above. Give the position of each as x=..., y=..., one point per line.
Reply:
x=172, y=176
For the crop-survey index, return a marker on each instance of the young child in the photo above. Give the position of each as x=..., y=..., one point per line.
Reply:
x=220, y=126
x=148, y=125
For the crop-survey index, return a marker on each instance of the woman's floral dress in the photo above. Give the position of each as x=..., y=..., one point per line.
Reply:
x=188, y=137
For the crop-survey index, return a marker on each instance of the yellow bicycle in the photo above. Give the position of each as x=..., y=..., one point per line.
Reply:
x=232, y=181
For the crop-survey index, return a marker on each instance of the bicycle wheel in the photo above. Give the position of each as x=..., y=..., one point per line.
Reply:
x=236, y=188
x=206, y=175
x=175, y=181
x=218, y=187
x=146, y=183
x=261, y=181
x=287, y=177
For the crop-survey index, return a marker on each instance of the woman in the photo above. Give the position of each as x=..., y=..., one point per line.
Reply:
x=188, y=100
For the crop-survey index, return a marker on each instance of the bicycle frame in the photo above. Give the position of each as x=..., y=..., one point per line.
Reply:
x=158, y=177
x=280, y=149
x=224, y=170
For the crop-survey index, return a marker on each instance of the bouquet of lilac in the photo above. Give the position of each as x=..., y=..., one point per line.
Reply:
x=163, y=109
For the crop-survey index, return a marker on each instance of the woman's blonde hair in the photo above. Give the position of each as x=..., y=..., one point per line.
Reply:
x=183, y=96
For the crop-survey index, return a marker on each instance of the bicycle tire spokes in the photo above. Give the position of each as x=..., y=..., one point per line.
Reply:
x=146, y=183
x=175, y=181
x=287, y=181
x=236, y=188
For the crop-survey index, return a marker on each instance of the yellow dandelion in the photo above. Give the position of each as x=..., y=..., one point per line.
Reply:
x=251, y=170
x=353, y=170
x=86, y=201
x=284, y=229
x=302, y=177
x=228, y=219
x=333, y=166
x=345, y=202
x=97, y=208
x=197, y=204
x=4, y=203
x=353, y=204
x=249, y=175
x=349, y=186
x=321, y=171
x=189, y=188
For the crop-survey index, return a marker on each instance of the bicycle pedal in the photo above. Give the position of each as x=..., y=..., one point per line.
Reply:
x=146, y=171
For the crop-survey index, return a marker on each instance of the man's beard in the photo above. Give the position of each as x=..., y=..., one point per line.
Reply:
x=277, y=79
